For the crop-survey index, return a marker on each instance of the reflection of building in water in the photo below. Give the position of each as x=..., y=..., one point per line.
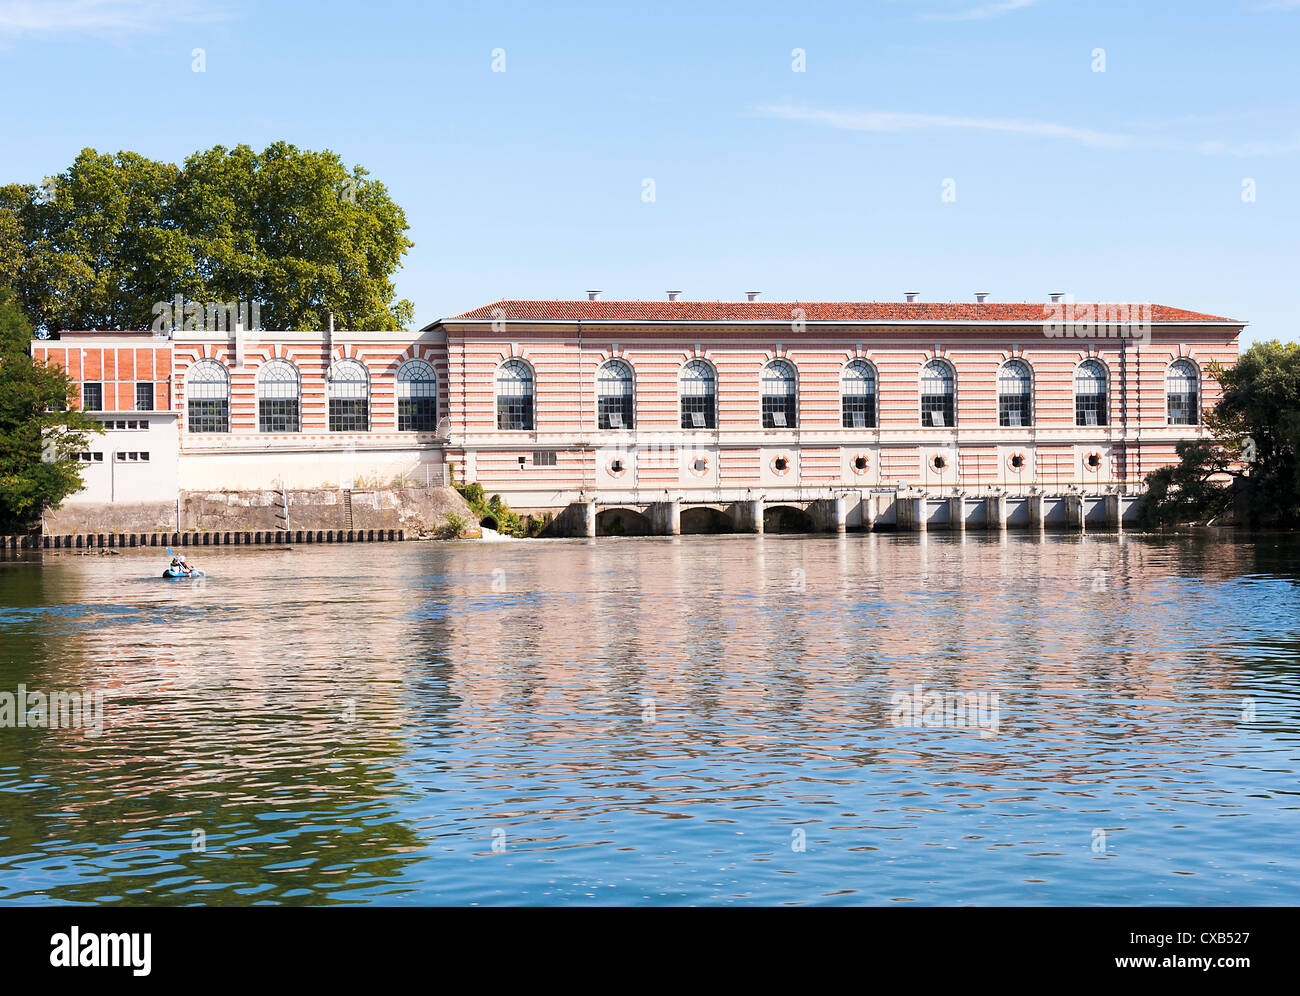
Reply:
x=264, y=709
x=825, y=631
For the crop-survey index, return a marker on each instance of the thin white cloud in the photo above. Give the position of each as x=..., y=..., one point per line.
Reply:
x=985, y=12
x=63, y=17
x=1280, y=5
x=899, y=121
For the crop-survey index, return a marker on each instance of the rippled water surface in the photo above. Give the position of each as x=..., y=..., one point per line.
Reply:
x=703, y=720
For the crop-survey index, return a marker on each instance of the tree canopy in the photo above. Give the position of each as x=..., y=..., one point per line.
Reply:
x=1251, y=465
x=40, y=434
x=97, y=246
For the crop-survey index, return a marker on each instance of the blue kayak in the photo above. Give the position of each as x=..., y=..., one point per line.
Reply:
x=174, y=573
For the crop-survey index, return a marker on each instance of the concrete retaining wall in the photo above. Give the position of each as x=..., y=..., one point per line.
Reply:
x=412, y=510
x=111, y=517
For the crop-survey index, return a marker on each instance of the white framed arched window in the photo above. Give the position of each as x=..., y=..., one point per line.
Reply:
x=348, y=390
x=779, y=391
x=615, y=396
x=1015, y=394
x=1183, y=391
x=278, y=397
x=1090, y=404
x=858, y=395
x=697, y=387
x=417, y=397
x=515, y=397
x=207, y=397
x=938, y=395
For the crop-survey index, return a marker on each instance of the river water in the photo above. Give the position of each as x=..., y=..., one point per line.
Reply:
x=729, y=719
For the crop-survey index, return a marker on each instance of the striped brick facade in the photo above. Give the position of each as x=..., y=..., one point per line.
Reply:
x=564, y=345
x=566, y=350
x=245, y=456
x=100, y=358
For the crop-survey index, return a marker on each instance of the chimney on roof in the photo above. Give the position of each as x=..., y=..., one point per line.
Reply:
x=750, y=295
x=593, y=295
x=911, y=296
x=674, y=295
x=980, y=296
x=1056, y=296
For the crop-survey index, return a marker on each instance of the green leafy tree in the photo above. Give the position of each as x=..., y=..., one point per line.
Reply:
x=40, y=434
x=99, y=245
x=1252, y=462
x=11, y=247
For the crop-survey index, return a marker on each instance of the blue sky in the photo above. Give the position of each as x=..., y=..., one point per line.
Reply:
x=828, y=183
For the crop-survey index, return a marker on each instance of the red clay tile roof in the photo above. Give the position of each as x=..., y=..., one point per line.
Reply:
x=775, y=311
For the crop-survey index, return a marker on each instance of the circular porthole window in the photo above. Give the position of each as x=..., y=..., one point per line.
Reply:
x=939, y=462
x=1016, y=461
x=861, y=464
x=780, y=465
x=616, y=467
x=699, y=466
x=1093, y=461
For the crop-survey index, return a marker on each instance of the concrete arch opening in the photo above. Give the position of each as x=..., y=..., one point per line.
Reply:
x=698, y=519
x=621, y=522
x=786, y=519
x=489, y=522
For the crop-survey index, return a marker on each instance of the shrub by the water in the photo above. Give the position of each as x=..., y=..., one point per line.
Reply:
x=454, y=527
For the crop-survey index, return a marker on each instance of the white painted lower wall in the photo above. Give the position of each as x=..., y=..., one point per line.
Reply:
x=233, y=468
x=131, y=465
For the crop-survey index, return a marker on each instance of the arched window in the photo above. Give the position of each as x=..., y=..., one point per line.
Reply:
x=1090, y=407
x=348, y=389
x=615, y=407
x=417, y=397
x=699, y=394
x=858, y=395
x=207, y=396
x=779, y=396
x=515, y=395
x=1182, y=387
x=938, y=395
x=278, y=397
x=1015, y=394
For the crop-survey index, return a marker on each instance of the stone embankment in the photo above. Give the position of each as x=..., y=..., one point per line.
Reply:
x=410, y=512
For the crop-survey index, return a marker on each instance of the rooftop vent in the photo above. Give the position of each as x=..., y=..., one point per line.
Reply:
x=674, y=295
x=981, y=295
x=593, y=295
x=1056, y=296
x=750, y=295
x=911, y=296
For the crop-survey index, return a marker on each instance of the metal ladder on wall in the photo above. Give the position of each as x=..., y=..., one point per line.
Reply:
x=347, y=507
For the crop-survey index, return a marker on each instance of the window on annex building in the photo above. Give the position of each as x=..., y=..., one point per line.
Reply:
x=417, y=397
x=207, y=397
x=279, y=404
x=348, y=390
